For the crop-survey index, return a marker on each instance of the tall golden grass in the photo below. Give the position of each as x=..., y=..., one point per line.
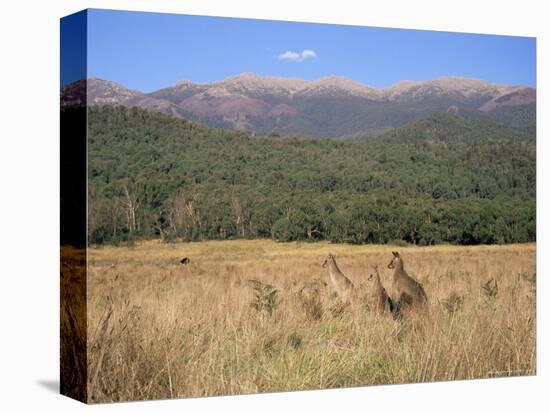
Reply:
x=73, y=351
x=158, y=329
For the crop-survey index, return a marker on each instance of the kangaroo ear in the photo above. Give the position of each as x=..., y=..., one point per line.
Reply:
x=394, y=253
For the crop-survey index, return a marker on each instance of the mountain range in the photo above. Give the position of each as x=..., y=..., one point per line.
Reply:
x=329, y=107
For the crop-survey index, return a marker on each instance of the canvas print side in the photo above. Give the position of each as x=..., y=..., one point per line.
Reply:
x=73, y=248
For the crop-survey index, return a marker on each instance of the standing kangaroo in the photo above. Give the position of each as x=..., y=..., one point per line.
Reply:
x=382, y=302
x=342, y=285
x=409, y=291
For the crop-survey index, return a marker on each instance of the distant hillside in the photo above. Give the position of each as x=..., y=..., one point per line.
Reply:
x=516, y=97
x=450, y=127
x=329, y=107
x=95, y=92
x=153, y=175
x=520, y=116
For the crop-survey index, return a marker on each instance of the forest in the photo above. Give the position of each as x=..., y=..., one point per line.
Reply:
x=155, y=176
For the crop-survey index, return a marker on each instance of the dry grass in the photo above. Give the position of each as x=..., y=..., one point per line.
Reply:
x=74, y=368
x=159, y=329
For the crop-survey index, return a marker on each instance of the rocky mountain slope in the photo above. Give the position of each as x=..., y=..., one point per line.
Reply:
x=329, y=107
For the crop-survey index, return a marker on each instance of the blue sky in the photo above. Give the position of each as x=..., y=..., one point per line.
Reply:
x=148, y=51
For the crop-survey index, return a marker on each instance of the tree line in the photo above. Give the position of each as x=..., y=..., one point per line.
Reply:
x=152, y=175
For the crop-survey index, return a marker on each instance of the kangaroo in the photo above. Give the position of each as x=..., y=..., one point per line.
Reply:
x=409, y=291
x=342, y=285
x=383, y=304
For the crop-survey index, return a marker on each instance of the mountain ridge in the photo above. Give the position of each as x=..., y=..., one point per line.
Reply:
x=331, y=106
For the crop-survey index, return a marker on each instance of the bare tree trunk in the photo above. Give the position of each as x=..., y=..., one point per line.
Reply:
x=131, y=205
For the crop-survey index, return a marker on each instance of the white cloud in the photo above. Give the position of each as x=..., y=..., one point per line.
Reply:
x=297, y=56
x=288, y=55
x=306, y=54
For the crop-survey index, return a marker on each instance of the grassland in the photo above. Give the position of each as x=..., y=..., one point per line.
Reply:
x=158, y=329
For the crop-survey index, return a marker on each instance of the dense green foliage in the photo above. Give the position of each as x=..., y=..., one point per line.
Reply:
x=153, y=175
x=520, y=116
x=449, y=127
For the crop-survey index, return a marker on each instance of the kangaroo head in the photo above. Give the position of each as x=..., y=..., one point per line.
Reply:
x=328, y=260
x=396, y=261
x=372, y=274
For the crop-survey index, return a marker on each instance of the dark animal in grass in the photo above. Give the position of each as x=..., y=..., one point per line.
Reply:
x=185, y=261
